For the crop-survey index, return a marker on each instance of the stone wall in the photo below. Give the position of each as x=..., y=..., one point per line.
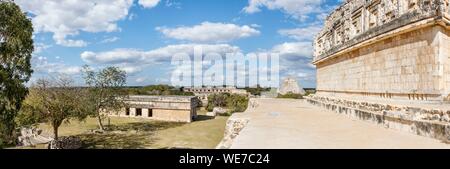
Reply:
x=232, y=129
x=172, y=115
x=407, y=66
x=164, y=108
x=358, y=20
x=235, y=124
x=445, y=55
x=159, y=114
x=434, y=123
x=71, y=142
x=385, y=49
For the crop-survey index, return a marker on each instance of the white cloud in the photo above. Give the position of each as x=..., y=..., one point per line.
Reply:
x=170, y=3
x=295, y=58
x=255, y=25
x=295, y=61
x=131, y=16
x=306, y=33
x=69, y=42
x=114, y=56
x=67, y=18
x=39, y=47
x=110, y=40
x=298, y=9
x=130, y=69
x=210, y=32
x=128, y=58
x=70, y=70
x=294, y=49
x=148, y=3
x=303, y=74
x=41, y=64
x=141, y=79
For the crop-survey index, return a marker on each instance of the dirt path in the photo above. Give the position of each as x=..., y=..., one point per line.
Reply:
x=281, y=123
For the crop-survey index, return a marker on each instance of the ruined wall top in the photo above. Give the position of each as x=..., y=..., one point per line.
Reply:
x=160, y=98
x=358, y=20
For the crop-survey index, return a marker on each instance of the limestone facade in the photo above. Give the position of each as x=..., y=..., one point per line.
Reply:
x=385, y=49
x=425, y=120
x=290, y=85
x=164, y=108
x=204, y=92
x=213, y=90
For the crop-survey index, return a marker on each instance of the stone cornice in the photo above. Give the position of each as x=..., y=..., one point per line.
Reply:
x=335, y=39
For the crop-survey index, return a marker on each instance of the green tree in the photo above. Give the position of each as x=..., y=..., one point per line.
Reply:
x=217, y=100
x=55, y=101
x=234, y=102
x=237, y=103
x=16, y=46
x=105, y=90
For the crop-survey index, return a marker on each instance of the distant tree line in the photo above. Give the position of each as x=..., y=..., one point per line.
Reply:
x=159, y=90
x=256, y=91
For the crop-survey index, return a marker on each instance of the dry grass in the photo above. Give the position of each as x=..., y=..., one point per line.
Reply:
x=204, y=134
x=131, y=133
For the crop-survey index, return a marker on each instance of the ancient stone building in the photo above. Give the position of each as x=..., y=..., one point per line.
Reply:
x=215, y=90
x=204, y=92
x=386, y=50
x=290, y=85
x=387, y=62
x=165, y=108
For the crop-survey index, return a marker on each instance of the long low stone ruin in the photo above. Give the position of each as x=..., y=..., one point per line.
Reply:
x=387, y=49
x=434, y=123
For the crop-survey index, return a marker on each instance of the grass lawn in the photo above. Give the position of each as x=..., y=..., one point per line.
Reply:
x=133, y=133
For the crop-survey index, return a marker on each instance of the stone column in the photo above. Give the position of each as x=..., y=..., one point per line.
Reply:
x=145, y=113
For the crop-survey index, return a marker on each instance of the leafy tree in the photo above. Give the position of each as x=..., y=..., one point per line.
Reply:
x=217, y=100
x=237, y=103
x=55, y=101
x=16, y=46
x=105, y=92
x=234, y=102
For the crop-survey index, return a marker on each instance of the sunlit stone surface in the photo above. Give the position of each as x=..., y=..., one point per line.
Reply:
x=387, y=62
x=386, y=49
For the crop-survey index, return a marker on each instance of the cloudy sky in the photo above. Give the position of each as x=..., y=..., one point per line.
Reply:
x=140, y=36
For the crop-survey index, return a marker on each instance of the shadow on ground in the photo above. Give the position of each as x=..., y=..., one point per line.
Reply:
x=203, y=118
x=176, y=148
x=144, y=126
x=137, y=135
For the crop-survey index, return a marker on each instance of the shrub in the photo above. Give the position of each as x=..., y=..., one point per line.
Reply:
x=257, y=90
x=237, y=103
x=290, y=96
x=233, y=102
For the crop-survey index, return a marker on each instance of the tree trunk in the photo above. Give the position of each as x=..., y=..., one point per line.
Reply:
x=100, y=124
x=55, y=132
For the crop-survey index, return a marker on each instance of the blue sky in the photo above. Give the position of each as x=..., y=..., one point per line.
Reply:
x=138, y=35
